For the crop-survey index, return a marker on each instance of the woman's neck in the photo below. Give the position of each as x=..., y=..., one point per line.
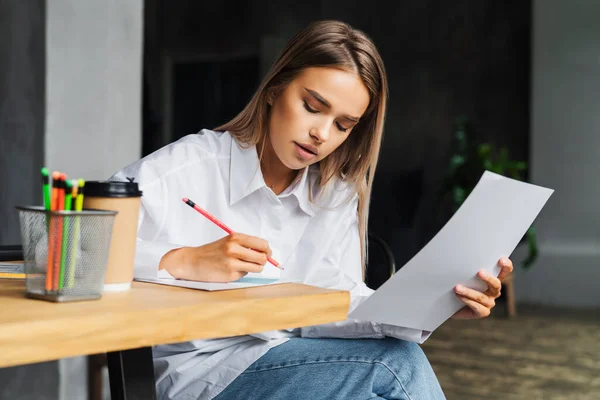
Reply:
x=276, y=175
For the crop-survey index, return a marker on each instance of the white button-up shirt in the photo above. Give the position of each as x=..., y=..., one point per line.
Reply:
x=316, y=241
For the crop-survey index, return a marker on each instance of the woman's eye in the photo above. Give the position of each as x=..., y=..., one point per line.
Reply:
x=341, y=128
x=313, y=111
x=310, y=110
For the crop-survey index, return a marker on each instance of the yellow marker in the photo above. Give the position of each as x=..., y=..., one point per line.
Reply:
x=79, y=200
x=75, y=244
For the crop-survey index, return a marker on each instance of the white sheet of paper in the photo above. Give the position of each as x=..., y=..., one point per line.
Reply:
x=15, y=268
x=211, y=286
x=488, y=226
x=269, y=272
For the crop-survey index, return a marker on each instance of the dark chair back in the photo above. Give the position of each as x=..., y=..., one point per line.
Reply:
x=381, y=264
x=11, y=253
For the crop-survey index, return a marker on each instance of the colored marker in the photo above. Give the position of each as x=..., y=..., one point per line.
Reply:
x=78, y=193
x=220, y=224
x=62, y=192
x=46, y=189
x=52, y=233
x=54, y=199
x=65, y=235
x=79, y=200
x=75, y=241
x=74, y=190
x=47, y=194
x=68, y=195
x=59, y=231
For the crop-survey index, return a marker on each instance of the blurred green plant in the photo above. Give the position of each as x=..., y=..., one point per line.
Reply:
x=468, y=162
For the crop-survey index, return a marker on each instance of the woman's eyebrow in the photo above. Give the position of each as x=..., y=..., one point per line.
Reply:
x=327, y=104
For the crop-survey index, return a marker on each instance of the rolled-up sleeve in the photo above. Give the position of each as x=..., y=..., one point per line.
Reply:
x=148, y=254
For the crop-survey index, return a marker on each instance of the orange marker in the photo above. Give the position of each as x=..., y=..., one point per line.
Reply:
x=74, y=190
x=54, y=202
x=52, y=232
x=59, y=231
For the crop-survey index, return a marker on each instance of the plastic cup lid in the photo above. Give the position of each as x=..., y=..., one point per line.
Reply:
x=112, y=189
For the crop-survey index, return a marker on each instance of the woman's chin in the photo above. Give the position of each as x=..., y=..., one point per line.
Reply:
x=296, y=161
x=296, y=165
x=292, y=162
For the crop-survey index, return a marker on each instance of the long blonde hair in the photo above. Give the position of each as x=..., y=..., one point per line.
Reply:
x=338, y=45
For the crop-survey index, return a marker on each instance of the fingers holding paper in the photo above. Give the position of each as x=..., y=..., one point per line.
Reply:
x=507, y=268
x=479, y=304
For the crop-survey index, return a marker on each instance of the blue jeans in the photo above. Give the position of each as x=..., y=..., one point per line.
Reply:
x=343, y=369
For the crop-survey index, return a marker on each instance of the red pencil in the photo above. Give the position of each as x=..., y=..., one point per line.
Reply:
x=220, y=224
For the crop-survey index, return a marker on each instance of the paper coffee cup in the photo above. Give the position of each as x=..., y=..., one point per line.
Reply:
x=125, y=198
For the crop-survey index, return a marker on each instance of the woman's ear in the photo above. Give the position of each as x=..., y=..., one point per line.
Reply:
x=270, y=97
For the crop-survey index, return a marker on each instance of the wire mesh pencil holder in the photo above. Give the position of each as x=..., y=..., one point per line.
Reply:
x=65, y=252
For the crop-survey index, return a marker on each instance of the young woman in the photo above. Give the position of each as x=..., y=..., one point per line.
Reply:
x=293, y=173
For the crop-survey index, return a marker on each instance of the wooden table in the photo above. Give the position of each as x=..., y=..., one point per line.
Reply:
x=126, y=325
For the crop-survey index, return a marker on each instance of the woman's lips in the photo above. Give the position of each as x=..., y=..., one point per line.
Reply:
x=305, y=153
x=309, y=147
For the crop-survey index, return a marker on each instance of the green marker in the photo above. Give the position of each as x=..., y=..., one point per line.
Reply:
x=47, y=192
x=46, y=188
x=65, y=234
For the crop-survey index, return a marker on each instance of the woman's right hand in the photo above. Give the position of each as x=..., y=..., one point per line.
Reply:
x=226, y=260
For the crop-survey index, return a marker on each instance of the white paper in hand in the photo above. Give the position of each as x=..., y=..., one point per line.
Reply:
x=488, y=226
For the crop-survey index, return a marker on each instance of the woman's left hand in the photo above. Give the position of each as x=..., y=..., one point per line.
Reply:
x=480, y=304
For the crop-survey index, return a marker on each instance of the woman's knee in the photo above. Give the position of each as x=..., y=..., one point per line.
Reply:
x=409, y=350
x=407, y=359
x=402, y=349
x=411, y=369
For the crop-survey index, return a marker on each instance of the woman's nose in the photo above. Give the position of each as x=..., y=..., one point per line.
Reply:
x=320, y=132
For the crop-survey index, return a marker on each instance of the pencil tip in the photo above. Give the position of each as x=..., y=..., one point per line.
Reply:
x=185, y=199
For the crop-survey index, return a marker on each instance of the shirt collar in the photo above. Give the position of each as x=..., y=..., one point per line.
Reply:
x=245, y=177
x=300, y=189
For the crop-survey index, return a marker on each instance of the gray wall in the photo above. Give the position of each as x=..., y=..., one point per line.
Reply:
x=93, y=106
x=22, y=33
x=22, y=86
x=93, y=109
x=565, y=153
x=70, y=87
